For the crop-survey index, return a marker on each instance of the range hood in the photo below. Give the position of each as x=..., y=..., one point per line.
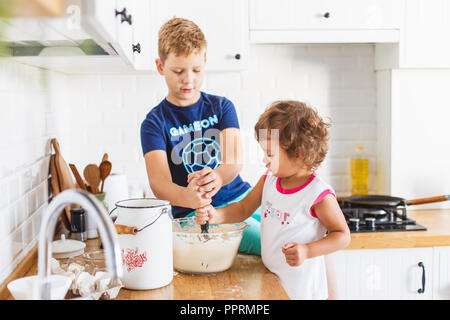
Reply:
x=86, y=47
x=64, y=35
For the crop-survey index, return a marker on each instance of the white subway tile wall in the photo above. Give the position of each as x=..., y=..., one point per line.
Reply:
x=32, y=111
x=94, y=114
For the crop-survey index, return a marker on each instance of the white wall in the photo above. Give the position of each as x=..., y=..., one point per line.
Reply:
x=339, y=80
x=31, y=105
x=93, y=114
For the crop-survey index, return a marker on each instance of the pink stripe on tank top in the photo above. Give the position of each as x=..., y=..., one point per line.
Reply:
x=294, y=190
x=320, y=198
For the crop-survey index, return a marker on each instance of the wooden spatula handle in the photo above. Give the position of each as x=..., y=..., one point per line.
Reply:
x=56, y=145
x=122, y=229
x=429, y=200
x=77, y=176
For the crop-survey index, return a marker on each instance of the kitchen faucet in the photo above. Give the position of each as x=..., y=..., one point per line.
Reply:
x=48, y=224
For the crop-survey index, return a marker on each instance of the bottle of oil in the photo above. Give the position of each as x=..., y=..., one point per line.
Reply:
x=359, y=170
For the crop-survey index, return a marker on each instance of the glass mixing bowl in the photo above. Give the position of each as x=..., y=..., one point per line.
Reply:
x=95, y=261
x=199, y=253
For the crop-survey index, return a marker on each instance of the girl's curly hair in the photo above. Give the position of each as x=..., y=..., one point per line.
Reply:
x=302, y=132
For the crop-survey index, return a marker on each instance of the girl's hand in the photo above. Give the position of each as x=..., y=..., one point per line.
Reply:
x=295, y=253
x=209, y=181
x=204, y=214
x=195, y=197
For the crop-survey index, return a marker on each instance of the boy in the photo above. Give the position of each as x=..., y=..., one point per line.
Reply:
x=192, y=132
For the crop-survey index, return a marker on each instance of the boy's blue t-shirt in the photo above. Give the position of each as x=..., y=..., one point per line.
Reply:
x=191, y=138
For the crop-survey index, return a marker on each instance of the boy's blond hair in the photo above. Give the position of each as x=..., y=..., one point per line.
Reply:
x=181, y=37
x=302, y=132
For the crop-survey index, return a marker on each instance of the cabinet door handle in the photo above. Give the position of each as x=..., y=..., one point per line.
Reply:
x=137, y=48
x=237, y=56
x=326, y=15
x=128, y=19
x=122, y=13
x=422, y=290
x=124, y=17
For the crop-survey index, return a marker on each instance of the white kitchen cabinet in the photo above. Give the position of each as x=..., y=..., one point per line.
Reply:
x=132, y=27
x=114, y=21
x=100, y=17
x=126, y=25
x=224, y=23
x=441, y=273
x=384, y=273
x=413, y=131
x=141, y=43
x=425, y=40
x=325, y=20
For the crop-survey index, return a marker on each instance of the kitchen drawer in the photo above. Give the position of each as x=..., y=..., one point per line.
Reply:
x=326, y=14
x=384, y=273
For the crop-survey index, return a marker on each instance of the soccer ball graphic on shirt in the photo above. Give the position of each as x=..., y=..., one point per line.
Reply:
x=200, y=153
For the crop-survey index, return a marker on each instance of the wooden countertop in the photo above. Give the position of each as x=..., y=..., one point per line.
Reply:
x=247, y=279
x=437, y=222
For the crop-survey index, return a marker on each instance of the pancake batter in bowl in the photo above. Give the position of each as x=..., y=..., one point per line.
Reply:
x=197, y=253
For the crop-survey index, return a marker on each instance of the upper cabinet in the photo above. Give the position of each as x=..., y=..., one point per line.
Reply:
x=425, y=41
x=224, y=23
x=323, y=21
x=132, y=26
x=118, y=23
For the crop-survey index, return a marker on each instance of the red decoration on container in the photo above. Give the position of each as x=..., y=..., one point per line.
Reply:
x=132, y=259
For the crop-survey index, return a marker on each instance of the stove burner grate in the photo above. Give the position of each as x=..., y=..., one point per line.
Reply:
x=377, y=219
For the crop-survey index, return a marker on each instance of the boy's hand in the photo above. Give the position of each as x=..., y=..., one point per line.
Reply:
x=195, y=197
x=295, y=253
x=205, y=214
x=209, y=181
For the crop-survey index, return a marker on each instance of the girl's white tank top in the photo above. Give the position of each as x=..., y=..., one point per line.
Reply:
x=286, y=216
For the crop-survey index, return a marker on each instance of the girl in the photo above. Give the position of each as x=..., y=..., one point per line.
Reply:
x=300, y=218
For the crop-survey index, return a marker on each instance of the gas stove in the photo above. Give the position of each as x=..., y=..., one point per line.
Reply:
x=377, y=219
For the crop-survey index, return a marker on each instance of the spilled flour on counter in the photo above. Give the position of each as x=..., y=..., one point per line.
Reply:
x=233, y=291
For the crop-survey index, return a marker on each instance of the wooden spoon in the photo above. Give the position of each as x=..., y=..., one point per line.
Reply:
x=105, y=170
x=105, y=157
x=92, y=176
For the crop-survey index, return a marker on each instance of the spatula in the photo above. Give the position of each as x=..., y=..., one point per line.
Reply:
x=77, y=176
x=105, y=170
x=92, y=176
